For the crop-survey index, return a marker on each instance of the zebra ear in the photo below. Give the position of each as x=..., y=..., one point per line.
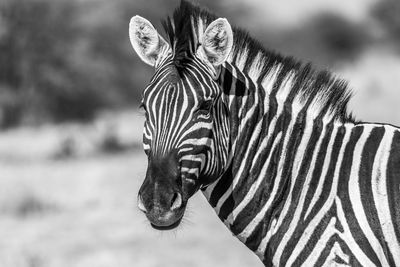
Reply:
x=146, y=41
x=217, y=42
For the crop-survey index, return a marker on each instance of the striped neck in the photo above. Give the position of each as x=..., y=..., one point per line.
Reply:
x=261, y=86
x=271, y=112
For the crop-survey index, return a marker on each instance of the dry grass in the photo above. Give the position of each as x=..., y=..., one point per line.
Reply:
x=81, y=211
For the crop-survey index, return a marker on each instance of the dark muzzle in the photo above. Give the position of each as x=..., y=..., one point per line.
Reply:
x=161, y=197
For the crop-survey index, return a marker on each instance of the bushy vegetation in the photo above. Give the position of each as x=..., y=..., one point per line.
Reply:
x=387, y=14
x=61, y=60
x=325, y=40
x=64, y=60
x=67, y=59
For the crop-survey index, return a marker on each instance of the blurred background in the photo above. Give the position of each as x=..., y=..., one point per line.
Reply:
x=71, y=159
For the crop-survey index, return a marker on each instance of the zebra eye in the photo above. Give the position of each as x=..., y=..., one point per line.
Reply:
x=206, y=106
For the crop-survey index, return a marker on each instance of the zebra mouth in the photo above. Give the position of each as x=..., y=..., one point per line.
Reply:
x=168, y=227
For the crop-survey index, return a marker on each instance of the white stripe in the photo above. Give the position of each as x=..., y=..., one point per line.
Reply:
x=196, y=141
x=269, y=80
x=200, y=29
x=319, y=247
x=241, y=58
x=166, y=127
x=260, y=251
x=379, y=190
x=158, y=121
x=348, y=238
x=256, y=67
x=250, y=148
x=146, y=146
x=336, y=251
x=355, y=196
x=231, y=95
x=199, y=158
x=190, y=170
x=172, y=128
x=285, y=88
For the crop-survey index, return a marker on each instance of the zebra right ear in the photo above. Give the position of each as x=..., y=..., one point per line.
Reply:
x=146, y=41
x=217, y=42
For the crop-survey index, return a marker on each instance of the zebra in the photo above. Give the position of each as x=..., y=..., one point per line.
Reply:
x=271, y=144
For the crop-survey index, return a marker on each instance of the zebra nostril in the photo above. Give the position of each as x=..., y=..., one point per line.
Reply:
x=140, y=204
x=176, y=201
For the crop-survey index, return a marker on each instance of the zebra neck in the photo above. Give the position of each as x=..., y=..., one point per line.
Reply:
x=271, y=130
x=262, y=87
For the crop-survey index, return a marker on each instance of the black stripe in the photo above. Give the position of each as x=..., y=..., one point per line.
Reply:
x=221, y=187
x=393, y=183
x=370, y=207
x=316, y=175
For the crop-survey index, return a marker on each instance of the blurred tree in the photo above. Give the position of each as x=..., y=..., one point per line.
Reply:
x=387, y=14
x=325, y=40
x=67, y=59
x=35, y=65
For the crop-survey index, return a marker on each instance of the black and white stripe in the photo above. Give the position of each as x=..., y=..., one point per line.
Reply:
x=303, y=184
x=177, y=118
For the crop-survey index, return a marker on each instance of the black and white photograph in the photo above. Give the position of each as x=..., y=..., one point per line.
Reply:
x=199, y=133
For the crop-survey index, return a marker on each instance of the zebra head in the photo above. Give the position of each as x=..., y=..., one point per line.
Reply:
x=186, y=131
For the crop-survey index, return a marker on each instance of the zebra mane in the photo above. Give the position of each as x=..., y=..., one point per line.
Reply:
x=185, y=28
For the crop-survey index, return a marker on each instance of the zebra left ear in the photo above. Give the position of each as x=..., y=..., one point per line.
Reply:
x=217, y=42
x=146, y=41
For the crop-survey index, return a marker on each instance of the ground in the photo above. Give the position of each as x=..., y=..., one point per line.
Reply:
x=81, y=211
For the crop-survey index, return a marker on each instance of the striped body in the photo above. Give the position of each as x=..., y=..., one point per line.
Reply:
x=270, y=143
x=304, y=187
